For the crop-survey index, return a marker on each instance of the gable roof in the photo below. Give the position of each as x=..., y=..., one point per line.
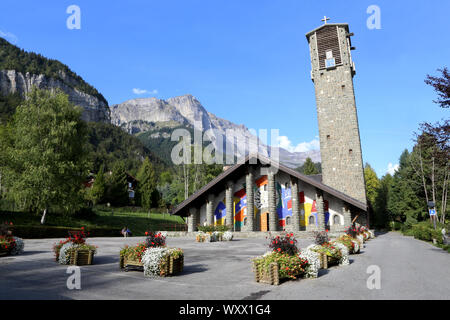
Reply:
x=218, y=184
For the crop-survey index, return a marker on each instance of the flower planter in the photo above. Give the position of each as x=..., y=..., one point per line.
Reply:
x=129, y=264
x=268, y=276
x=172, y=266
x=327, y=261
x=4, y=252
x=81, y=257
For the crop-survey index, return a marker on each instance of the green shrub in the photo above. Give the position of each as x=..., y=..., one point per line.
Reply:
x=213, y=228
x=395, y=225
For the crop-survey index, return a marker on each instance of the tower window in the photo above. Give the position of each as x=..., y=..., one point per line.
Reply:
x=328, y=136
x=350, y=151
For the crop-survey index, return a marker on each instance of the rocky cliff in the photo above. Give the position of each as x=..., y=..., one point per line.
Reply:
x=94, y=109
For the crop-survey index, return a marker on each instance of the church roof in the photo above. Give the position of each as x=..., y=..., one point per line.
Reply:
x=218, y=184
x=326, y=25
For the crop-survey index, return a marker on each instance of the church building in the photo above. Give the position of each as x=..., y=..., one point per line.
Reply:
x=251, y=196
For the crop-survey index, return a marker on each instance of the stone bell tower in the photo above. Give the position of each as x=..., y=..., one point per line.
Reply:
x=332, y=73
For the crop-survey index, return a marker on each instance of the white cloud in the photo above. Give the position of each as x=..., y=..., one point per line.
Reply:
x=392, y=168
x=285, y=143
x=143, y=91
x=9, y=36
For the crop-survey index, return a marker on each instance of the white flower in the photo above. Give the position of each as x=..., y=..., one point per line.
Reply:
x=151, y=260
x=163, y=233
x=355, y=246
x=344, y=252
x=63, y=256
x=18, y=248
x=361, y=240
x=228, y=235
x=313, y=266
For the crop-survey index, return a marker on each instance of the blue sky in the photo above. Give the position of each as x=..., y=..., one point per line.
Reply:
x=248, y=61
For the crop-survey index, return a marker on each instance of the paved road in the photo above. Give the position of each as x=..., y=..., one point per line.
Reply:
x=410, y=269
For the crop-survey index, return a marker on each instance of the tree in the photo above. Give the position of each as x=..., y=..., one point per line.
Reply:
x=381, y=213
x=405, y=200
x=309, y=167
x=372, y=183
x=442, y=86
x=97, y=192
x=146, y=184
x=117, y=185
x=45, y=157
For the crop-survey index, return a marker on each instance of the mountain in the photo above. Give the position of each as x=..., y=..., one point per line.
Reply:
x=21, y=70
x=158, y=118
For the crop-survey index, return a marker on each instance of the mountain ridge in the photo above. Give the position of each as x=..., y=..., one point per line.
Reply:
x=137, y=115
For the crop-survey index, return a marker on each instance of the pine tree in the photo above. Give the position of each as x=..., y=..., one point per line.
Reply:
x=309, y=168
x=117, y=185
x=372, y=183
x=97, y=191
x=146, y=184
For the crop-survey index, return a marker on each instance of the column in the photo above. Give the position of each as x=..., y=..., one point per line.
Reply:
x=273, y=216
x=320, y=211
x=250, y=201
x=229, y=205
x=193, y=219
x=210, y=210
x=347, y=216
x=295, y=205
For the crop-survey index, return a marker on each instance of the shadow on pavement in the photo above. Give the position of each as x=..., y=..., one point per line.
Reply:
x=194, y=268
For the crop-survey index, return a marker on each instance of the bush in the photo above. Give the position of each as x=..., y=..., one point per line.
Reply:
x=285, y=243
x=289, y=266
x=154, y=240
x=321, y=237
x=395, y=225
x=213, y=228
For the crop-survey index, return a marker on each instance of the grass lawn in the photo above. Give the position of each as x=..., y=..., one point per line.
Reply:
x=137, y=221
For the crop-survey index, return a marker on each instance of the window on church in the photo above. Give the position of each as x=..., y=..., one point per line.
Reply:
x=311, y=220
x=329, y=61
x=245, y=221
x=336, y=219
x=288, y=221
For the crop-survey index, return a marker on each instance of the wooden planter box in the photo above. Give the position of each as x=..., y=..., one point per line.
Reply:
x=81, y=257
x=130, y=264
x=327, y=261
x=172, y=266
x=269, y=276
x=4, y=252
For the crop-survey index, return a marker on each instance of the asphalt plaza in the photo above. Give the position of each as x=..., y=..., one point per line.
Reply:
x=410, y=269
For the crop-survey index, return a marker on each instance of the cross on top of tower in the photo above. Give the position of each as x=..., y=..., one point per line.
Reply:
x=325, y=19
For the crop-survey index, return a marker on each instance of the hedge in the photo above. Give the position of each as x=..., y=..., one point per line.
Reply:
x=42, y=232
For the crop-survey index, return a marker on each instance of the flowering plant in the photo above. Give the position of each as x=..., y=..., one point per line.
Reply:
x=7, y=243
x=154, y=240
x=154, y=259
x=313, y=263
x=289, y=266
x=321, y=237
x=286, y=243
x=344, y=253
x=75, y=241
x=329, y=249
x=228, y=236
x=134, y=253
x=19, y=245
x=349, y=242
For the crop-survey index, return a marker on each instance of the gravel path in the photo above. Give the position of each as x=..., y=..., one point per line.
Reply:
x=410, y=269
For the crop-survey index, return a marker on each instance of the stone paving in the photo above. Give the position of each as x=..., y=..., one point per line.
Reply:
x=410, y=269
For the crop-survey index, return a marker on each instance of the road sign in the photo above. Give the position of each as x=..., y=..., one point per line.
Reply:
x=432, y=212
